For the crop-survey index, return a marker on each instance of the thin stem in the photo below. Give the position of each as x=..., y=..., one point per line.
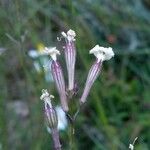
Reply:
x=56, y=141
x=72, y=145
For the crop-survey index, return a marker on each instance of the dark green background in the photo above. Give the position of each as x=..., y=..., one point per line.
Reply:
x=118, y=108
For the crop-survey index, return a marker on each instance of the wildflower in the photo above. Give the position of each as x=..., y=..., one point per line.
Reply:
x=39, y=58
x=101, y=54
x=51, y=118
x=50, y=113
x=131, y=146
x=62, y=120
x=52, y=52
x=58, y=76
x=70, y=56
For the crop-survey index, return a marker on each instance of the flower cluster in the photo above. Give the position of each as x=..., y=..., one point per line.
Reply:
x=101, y=54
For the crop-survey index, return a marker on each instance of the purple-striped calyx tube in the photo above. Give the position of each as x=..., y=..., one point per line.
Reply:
x=70, y=56
x=50, y=113
x=101, y=54
x=58, y=76
x=51, y=118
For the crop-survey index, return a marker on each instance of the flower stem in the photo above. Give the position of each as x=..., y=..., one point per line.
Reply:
x=72, y=145
x=56, y=141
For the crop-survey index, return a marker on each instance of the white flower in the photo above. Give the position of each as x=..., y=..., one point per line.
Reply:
x=131, y=147
x=62, y=120
x=102, y=53
x=33, y=54
x=70, y=35
x=52, y=52
x=46, y=97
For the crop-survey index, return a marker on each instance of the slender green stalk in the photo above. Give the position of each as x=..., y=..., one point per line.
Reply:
x=72, y=142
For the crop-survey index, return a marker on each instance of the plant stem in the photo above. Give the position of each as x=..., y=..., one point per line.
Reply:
x=56, y=141
x=72, y=144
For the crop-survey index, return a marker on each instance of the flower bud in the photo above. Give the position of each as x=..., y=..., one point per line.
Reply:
x=70, y=56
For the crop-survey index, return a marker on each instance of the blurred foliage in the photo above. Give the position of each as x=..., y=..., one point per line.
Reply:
x=118, y=107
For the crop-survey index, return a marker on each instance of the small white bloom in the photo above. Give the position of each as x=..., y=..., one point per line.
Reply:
x=131, y=147
x=102, y=53
x=52, y=52
x=62, y=120
x=46, y=97
x=37, y=55
x=70, y=35
x=33, y=54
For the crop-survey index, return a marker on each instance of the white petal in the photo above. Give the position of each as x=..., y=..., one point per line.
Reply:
x=62, y=120
x=33, y=53
x=64, y=34
x=47, y=98
x=70, y=35
x=52, y=52
x=102, y=53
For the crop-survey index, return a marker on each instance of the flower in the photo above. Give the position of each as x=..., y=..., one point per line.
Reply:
x=51, y=118
x=131, y=146
x=53, y=52
x=69, y=36
x=62, y=120
x=102, y=54
x=40, y=59
x=70, y=56
x=50, y=113
x=58, y=76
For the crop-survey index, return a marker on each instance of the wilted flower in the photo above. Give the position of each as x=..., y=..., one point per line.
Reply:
x=50, y=113
x=70, y=56
x=102, y=54
x=58, y=76
x=51, y=118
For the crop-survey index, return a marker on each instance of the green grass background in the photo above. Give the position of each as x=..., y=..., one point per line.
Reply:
x=118, y=107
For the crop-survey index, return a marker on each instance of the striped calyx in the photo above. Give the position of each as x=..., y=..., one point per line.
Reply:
x=70, y=56
x=101, y=54
x=60, y=83
x=50, y=113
